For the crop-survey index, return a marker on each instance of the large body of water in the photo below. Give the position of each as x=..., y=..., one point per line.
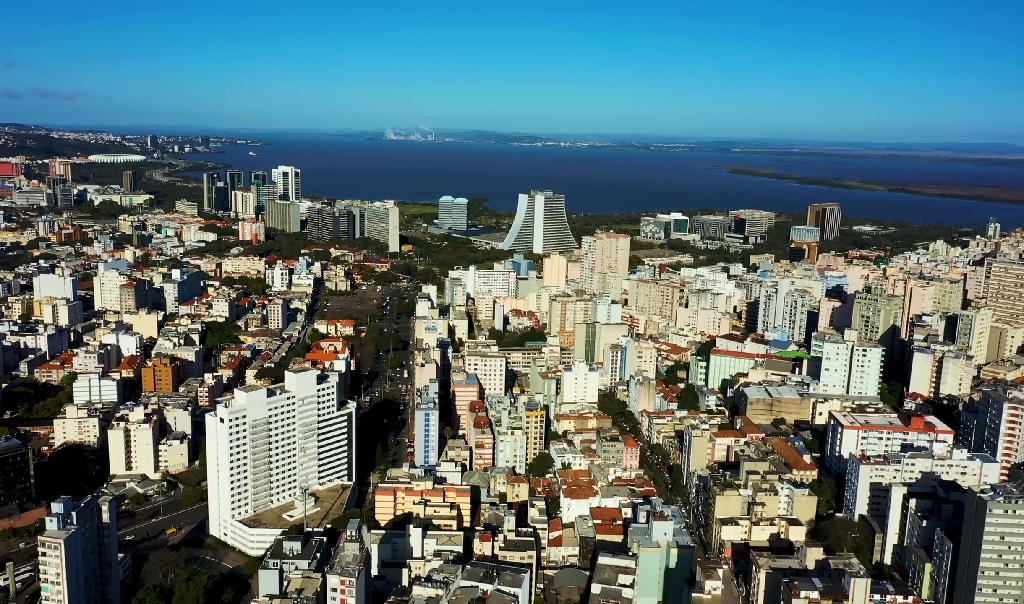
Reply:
x=601, y=181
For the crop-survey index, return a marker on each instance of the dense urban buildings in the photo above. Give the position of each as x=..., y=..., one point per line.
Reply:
x=562, y=419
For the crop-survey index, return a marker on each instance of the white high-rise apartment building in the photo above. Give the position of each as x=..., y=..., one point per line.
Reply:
x=868, y=478
x=491, y=368
x=382, y=223
x=453, y=213
x=78, y=552
x=1002, y=292
x=265, y=446
x=278, y=277
x=970, y=331
x=244, y=203
x=277, y=313
x=865, y=367
x=998, y=426
x=990, y=565
x=540, y=225
x=783, y=307
x=489, y=282
x=831, y=362
x=580, y=383
x=132, y=440
x=605, y=262
x=54, y=286
x=289, y=182
x=107, y=284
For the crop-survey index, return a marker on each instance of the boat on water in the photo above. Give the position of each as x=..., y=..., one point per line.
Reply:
x=253, y=154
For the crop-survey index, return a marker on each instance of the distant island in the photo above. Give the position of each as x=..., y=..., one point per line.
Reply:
x=972, y=192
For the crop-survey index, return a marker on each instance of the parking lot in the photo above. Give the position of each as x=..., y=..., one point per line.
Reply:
x=355, y=306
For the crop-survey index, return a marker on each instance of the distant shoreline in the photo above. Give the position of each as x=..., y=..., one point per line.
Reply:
x=1008, y=195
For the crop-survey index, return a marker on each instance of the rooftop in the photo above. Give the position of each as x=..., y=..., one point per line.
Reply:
x=329, y=502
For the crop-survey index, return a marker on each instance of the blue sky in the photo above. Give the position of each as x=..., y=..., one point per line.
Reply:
x=900, y=70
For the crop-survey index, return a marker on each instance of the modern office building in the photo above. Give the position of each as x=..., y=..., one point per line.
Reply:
x=258, y=176
x=289, y=183
x=804, y=234
x=540, y=225
x=234, y=179
x=988, y=566
x=453, y=213
x=128, y=180
x=268, y=446
x=664, y=226
x=78, y=552
x=210, y=180
x=605, y=262
x=750, y=222
x=992, y=229
x=325, y=222
x=284, y=215
x=711, y=226
x=827, y=217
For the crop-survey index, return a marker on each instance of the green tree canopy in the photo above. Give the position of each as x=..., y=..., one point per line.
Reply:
x=542, y=465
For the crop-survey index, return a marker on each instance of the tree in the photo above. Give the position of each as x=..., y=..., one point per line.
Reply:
x=672, y=374
x=219, y=333
x=542, y=465
x=691, y=401
x=164, y=568
x=825, y=490
x=147, y=595
x=839, y=534
x=190, y=592
x=779, y=422
x=136, y=500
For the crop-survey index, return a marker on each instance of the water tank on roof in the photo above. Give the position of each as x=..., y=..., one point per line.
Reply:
x=481, y=422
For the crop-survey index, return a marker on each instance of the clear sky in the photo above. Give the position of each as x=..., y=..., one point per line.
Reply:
x=899, y=70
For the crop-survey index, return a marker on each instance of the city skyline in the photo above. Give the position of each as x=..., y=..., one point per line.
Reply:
x=927, y=73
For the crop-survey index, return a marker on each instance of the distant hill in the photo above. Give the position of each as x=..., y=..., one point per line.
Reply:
x=39, y=146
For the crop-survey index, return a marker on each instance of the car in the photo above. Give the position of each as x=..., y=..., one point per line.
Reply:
x=24, y=544
x=129, y=537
